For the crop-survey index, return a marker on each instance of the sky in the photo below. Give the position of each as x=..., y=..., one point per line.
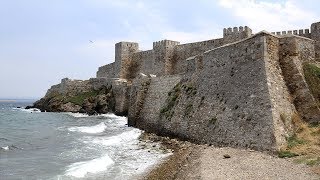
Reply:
x=42, y=42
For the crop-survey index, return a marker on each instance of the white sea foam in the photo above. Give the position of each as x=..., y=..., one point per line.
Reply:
x=99, y=128
x=6, y=148
x=112, y=116
x=31, y=110
x=81, y=169
x=109, y=115
x=77, y=115
x=122, y=138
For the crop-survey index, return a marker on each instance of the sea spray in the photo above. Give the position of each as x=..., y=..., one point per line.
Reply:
x=81, y=169
x=99, y=128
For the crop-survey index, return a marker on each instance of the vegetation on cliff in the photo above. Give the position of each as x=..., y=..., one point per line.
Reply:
x=186, y=89
x=303, y=143
x=167, y=110
x=312, y=75
x=90, y=102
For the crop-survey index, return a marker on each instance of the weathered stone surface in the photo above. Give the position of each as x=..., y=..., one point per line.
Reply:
x=294, y=52
x=70, y=107
x=238, y=98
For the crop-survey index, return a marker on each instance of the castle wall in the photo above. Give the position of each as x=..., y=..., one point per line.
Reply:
x=231, y=35
x=295, y=51
x=282, y=107
x=301, y=32
x=184, y=51
x=194, y=64
x=123, y=53
x=228, y=102
x=146, y=64
x=315, y=35
x=168, y=57
x=107, y=71
x=148, y=110
x=163, y=57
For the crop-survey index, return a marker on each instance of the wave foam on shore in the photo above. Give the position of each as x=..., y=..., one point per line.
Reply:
x=99, y=128
x=81, y=169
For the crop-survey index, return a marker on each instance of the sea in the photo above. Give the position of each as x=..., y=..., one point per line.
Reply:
x=59, y=146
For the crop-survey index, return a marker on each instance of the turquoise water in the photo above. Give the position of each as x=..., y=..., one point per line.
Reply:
x=35, y=145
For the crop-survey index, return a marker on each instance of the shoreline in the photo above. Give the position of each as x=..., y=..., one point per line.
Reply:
x=191, y=161
x=168, y=167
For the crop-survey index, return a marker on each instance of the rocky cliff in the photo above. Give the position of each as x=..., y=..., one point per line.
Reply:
x=90, y=96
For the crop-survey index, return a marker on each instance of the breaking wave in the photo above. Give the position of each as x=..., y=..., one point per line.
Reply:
x=99, y=128
x=31, y=110
x=78, y=115
x=122, y=138
x=81, y=169
x=7, y=148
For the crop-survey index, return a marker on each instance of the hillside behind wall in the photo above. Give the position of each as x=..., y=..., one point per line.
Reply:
x=236, y=99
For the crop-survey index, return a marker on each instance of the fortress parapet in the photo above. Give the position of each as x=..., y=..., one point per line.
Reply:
x=315, y=35
x=235, y=34
x=168, y=57
x=300, y=32
x=163, y=51
x=164, y=43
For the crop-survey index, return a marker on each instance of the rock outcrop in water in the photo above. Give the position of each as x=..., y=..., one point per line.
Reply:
x=78, y=96
x=243, y=90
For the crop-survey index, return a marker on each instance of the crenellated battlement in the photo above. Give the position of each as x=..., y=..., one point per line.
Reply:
x=147, y=52
x=236, y=33
x=235, y=30
x=123, y=44
x=168, y=57
x=300, y=32
x=165, y=43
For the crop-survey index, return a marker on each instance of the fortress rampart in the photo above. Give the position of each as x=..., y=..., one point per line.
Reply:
x=166, y=58
x=240, y=90
x=169, y=57
x=301, y=32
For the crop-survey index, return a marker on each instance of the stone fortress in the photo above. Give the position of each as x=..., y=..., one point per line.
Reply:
x=166, y=58
x=242, y=90
x=170, y=57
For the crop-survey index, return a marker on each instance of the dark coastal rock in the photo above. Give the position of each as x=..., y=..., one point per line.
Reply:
x=70, y=107
x=90, y=102
x=28, y=107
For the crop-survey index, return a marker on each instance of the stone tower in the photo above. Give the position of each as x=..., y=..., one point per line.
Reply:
x=123, y=52
x=315, y=35
x=163, y=51
x=235, y=34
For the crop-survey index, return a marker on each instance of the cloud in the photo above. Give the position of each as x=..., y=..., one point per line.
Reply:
x=270, y=16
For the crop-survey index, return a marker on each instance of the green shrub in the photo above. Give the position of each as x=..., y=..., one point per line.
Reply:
x=173, y=95
x=293, y=141
x=286, y=154
x=80, y=98
x=188, y=110
x=313, y=162
x=312, y=75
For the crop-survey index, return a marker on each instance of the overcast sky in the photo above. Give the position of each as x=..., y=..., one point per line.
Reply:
x=43, y=41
